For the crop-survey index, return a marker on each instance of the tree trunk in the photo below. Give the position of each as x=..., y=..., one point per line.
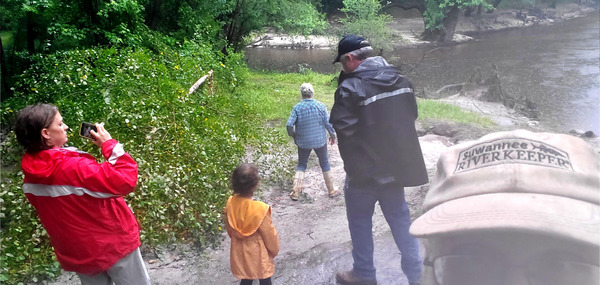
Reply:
x=446, y=33
x=90, y=8
x=495, y=5
x=232, y=27
x=450, y=24
x=30, y=33
x=5, y=90
x=469, y=10
x=153, y=16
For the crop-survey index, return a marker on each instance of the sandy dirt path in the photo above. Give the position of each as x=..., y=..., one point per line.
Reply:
x=313, y=232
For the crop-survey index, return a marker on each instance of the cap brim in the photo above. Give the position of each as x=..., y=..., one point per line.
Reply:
x=548, y=214
x=337, y=59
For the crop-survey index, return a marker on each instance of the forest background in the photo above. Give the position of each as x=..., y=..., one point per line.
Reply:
x=131, y=64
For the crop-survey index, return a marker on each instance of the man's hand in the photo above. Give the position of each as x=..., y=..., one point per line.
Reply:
x=331, y=140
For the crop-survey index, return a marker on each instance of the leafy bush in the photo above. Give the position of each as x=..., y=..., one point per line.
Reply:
x=363, y=18
x=437, y=10
x=186, y=145
x=299, y=18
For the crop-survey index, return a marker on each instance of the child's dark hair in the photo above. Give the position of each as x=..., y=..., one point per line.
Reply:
x=244, y=178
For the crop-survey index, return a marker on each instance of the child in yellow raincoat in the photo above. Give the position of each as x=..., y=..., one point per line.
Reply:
x=254, y=241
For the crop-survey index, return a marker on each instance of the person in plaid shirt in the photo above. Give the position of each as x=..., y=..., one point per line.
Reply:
x=307, y=125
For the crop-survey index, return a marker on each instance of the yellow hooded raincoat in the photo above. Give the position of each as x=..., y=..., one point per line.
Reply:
x=254, y=241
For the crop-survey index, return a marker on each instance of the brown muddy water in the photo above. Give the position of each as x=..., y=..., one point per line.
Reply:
x=557, y=67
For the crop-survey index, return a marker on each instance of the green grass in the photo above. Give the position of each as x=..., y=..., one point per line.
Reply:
x=432, y=109
x=276, y=93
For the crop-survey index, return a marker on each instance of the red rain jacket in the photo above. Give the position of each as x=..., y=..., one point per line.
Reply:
x=80, y=203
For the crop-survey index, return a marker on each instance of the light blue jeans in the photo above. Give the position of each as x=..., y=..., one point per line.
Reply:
x=360, y=204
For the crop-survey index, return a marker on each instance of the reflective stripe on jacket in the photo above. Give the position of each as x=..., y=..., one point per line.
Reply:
x=80, y=204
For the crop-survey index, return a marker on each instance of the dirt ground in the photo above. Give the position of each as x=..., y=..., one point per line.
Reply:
x=313, y=232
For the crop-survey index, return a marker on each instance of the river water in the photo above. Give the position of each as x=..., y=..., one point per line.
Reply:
x=557, y=67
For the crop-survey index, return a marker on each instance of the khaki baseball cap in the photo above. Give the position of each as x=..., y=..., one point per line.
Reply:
x=518, y=181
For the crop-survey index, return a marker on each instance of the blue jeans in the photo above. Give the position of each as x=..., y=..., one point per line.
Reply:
x=360, y=204
x=304, y=153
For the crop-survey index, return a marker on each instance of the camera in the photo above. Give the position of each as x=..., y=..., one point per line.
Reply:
x=85, y=129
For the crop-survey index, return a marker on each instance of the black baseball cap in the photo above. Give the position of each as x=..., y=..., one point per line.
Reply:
x=350, y=43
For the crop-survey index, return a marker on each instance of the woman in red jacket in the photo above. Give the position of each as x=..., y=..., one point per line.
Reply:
x=79, y=201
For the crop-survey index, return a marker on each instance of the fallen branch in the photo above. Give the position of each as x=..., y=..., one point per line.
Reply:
x=512, y=117
x=200, y=81
x=422, y=58
x=480, y=109
x=414, y=34
x=461, y=85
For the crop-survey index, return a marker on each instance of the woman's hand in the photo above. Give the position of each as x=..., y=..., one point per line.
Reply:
x=101, y=135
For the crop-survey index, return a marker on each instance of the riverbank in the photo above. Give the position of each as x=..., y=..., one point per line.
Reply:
x=313, y=232
x=407, y=25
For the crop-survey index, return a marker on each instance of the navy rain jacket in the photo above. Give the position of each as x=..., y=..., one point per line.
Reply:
x=374, y=117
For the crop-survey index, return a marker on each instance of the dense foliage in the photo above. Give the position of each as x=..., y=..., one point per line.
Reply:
x=185, y=144
x=130, y=64
x=363, y=17
x=438, y=10
x=32, y=27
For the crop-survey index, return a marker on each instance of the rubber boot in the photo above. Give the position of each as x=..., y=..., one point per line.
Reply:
x=329, y=183
x=298, y=179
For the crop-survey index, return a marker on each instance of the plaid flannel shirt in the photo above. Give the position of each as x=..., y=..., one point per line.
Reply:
x=307, y=124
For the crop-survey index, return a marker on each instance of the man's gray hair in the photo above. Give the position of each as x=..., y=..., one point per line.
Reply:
x=361, y=53
x=307, y=91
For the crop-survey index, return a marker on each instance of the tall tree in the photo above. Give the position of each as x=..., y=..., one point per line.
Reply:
x=441, y=17
x=50, y=25
x=186, y=19
x=245, y=16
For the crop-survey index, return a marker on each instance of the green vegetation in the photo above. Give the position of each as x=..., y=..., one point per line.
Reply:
x=277, y=93
x=364, y=17
x=280, y=92
x=438, y=11
x=186, y=145
x=432, y=109
x=130, y=64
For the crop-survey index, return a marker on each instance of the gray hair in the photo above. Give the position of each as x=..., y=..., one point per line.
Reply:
x=361, y=53
x=307, y=91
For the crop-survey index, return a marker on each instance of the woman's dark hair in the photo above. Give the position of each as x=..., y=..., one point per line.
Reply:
x=30, y=122
x=244, y=178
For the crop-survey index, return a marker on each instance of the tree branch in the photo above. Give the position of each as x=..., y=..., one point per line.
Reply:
x=422, y=58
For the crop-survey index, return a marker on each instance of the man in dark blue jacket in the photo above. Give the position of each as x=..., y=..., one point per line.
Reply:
x=374, y=117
